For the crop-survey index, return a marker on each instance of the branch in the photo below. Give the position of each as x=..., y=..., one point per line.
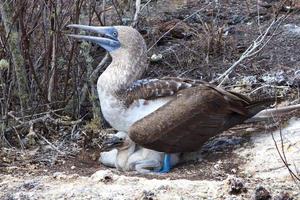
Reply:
x=46, y=118
x=256, y=46
x=283, y=157
x=94, y=74
x=137, y=12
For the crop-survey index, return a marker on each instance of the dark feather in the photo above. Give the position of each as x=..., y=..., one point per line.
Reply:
x=193, y=117
x=154, y=88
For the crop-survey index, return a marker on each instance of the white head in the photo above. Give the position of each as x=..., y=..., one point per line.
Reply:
x=117, y=40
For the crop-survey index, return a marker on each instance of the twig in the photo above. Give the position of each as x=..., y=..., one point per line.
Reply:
x=283, y=158
x=272, y=86
x=52, y=145
x=94, y=74
x=19, y=138
x=137, y=12
x=46, y=118
x=118, y=13
x=146, y=4
x=257, y=45
x=103, y=13
x=53, y=68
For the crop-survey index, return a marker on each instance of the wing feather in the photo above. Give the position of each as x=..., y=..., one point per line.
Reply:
x=188, y=121
x=156, y=88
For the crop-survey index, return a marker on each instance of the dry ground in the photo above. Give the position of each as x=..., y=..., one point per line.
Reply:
x=246, y=152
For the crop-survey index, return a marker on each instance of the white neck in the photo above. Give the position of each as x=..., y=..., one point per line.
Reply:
x=123, y=70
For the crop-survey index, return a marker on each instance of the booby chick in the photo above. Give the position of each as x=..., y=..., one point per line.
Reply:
x=170, y=114
x=125, y=155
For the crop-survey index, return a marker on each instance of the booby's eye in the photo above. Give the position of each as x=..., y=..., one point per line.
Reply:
x=115, y=34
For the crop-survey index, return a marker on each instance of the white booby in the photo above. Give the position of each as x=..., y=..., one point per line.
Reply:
x=170, y=114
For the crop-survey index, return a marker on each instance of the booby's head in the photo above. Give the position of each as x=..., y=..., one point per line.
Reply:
x=120, y=141
x=112, y=38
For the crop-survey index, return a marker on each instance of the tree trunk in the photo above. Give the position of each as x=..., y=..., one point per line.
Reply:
x=7, y=13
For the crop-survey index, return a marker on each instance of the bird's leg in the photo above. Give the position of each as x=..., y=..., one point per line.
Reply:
x=166, y=164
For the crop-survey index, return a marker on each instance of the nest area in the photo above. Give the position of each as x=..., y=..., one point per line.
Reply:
x=60, y=123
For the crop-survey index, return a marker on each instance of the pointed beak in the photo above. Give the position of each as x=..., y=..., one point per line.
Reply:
x=111, y=143
x=107, y=36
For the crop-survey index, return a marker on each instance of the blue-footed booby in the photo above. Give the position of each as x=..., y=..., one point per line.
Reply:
x=170, y=114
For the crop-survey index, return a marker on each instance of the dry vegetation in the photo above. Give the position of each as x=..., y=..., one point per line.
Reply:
x=49, y=109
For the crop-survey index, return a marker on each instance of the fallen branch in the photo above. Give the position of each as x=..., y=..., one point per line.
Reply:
x=46, y=118
x=52, y=145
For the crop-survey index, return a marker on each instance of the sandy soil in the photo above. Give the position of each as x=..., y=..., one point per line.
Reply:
x=242, y=163
x=258, y=166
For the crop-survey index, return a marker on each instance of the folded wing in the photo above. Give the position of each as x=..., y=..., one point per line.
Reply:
x=194, y=115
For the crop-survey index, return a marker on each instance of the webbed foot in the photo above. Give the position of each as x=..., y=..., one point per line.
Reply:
x=166, y=164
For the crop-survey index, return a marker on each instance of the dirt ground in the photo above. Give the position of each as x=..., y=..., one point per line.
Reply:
x=242, y=163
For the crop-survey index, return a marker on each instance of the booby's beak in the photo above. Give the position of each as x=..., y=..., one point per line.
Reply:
x=111, y=143
x=108, y=36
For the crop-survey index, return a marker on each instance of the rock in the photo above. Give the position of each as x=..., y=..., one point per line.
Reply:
x=292, y=29
x=59, y=175
x=28, y=185
x=283, y=196
x=296, y=79
x=236, y=186
x=277, y=78
x=4, y=64
x=105, y=176
x=148, y=195
x=156, y=57
x=236, y=19
x=262, y=193
x=248, y=80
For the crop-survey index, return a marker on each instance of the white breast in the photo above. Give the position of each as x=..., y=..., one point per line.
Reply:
x=120, y=117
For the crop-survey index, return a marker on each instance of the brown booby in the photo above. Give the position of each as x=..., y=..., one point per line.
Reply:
x=169, y=114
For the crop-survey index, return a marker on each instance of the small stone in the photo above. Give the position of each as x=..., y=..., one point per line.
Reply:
x=148, y=195
x=73, y=167
x=4, y=64
x=292, y=29
x=283, y=196
x=236, y=186
x=156, y=57
x=262, y=193
x=59, y=175
x=105, y=176
x=30, y=185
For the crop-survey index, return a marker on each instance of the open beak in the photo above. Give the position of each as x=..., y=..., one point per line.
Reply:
x=107, y=36
x=111, y=143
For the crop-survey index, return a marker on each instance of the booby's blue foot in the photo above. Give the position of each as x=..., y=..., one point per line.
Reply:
x=167, y=164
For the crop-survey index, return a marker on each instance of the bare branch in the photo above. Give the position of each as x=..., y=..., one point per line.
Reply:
x=137, y=12
x=256, y=46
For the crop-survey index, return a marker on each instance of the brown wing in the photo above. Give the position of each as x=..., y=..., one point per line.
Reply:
x=195, y=115
x=155, y=88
